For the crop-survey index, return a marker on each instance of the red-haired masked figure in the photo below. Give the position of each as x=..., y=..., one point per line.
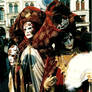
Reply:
x=58, y=19
x=22, y=31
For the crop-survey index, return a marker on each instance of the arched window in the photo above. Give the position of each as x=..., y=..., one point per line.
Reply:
x=1, y=13
x=26, y=4
x=16, y=8
x=10, y=8
x=77, y=5
x=82, y=5
x=31, y=4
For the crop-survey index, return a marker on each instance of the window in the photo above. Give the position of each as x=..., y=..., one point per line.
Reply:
x=10, y=8
x=66, y=2
x=31, y=4
x=77, y=5
x=16, y=8
x=1, y=13
x=82, y=5
x=26, y=4
x=11, y=21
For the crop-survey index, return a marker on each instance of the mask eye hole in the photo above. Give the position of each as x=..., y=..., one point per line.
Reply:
x=13, y=55
x=30, y=28
x=59, y=26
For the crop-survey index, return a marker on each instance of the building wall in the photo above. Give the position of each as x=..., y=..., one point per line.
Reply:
x=81, y=11
x=2, y=9
x=9, y=18
x=73, y=4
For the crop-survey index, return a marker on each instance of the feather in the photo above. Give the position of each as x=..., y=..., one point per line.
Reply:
x=78, y=69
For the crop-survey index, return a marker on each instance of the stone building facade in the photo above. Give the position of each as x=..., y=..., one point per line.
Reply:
x=81, y=8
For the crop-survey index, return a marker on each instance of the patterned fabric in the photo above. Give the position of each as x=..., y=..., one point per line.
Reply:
x=47, y=31
x=36, y=66
x=23, y=44
x=50, y=66
x=51, y=69
x=16, y=79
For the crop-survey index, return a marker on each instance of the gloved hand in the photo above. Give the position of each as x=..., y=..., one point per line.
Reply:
x=89, y=75
x=49, y=82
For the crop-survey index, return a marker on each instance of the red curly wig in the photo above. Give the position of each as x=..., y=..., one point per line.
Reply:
x=30, y=13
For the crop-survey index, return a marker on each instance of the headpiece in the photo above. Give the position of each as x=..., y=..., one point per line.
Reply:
x=55, y=10
x=28, y=14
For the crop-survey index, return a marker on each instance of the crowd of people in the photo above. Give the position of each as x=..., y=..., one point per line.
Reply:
x=41, y=47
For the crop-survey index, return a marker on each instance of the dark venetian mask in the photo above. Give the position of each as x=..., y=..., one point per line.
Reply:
x=68, y=41
x=61, y=22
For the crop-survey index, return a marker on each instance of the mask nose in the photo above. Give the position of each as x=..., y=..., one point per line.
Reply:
x=69, y=41
x=27, y=30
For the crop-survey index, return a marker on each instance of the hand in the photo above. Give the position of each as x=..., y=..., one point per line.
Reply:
x=89, y=75
x=49, y=82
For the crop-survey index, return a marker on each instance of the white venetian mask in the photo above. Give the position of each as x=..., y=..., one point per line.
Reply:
x=13, y=54
x=28, y=29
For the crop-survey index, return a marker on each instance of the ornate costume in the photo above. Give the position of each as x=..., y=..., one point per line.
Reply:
x=41, y=41
x=27, y=24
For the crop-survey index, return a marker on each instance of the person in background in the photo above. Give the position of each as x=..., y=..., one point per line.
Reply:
x=16, y=80
x=27, y=24
x=4, y=68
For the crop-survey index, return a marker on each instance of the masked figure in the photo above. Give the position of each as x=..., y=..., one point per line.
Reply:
x=58, y=19
x=27, y=24
x=64, y=51
x=55, y=38
x=16, y=83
